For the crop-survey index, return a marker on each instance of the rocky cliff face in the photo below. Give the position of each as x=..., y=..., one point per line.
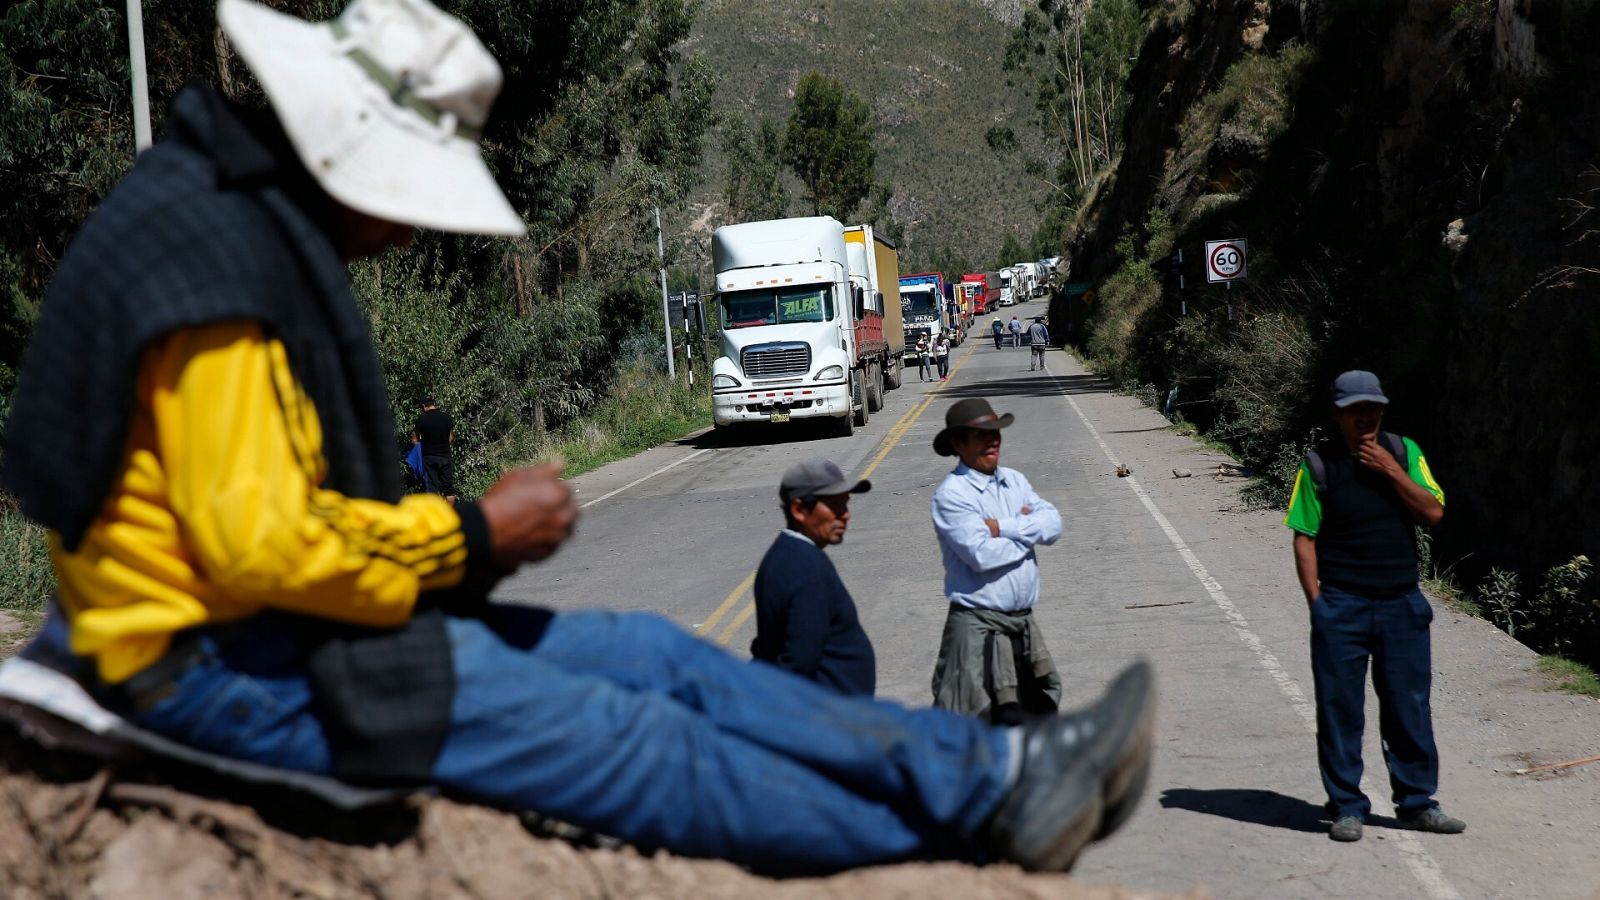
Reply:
x=1432, y=168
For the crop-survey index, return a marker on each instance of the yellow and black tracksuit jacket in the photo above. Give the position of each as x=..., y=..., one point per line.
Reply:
x=218, y=513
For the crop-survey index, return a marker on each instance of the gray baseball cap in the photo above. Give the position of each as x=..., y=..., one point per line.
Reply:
x=1357, y=386
x=818, y=478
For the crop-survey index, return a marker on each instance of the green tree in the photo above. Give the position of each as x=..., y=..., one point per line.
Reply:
x=880, y=216
x=830, y=145
x=1079, y=54
x=602, y=118
x=754, y=188
x=1011, y=252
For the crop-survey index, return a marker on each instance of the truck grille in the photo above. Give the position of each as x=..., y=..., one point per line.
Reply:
x=775, y=360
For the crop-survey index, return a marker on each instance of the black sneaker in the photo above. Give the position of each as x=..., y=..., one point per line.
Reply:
x=1434, y=820
x=1082, y=773
x=1346, y=829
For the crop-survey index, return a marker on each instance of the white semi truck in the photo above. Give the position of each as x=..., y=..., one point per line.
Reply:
x=800, y=337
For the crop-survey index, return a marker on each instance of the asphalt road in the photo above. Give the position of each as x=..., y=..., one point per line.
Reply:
x=1170, y=568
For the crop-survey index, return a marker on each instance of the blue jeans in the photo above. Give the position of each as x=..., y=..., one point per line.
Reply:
x=1347, y=629
x=630, y=726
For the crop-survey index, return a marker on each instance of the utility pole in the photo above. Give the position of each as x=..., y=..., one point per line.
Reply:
x=666, y=310
x=141, y=92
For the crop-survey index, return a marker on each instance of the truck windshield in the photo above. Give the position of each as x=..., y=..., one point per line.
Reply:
x=917, y=303
x=777, y=306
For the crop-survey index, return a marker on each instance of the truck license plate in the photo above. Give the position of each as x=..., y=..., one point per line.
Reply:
x=779, y=414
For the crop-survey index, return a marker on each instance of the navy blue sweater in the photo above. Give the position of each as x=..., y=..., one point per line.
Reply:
x=806, y=621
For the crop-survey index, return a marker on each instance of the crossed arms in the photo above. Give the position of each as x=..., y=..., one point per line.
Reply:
x=986, y=543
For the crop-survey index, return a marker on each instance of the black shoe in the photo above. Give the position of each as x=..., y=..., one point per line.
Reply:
x=1082, y=773
x=1434, y=820
x=1346, y=829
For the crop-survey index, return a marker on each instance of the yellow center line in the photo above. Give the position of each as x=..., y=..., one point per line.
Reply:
x=727, y=604
x=737, y=623
x=890, y=441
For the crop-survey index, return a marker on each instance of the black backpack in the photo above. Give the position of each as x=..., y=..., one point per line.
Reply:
x=1319, y=470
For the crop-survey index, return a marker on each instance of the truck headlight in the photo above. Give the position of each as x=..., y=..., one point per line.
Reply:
x=724, y=381
x=830, y=372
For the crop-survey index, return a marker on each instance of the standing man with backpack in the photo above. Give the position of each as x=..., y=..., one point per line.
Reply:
x=436, y=431
x=1355, y=504
x=1038, y=340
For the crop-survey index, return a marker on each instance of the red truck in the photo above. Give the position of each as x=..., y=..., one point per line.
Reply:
x=985, y=290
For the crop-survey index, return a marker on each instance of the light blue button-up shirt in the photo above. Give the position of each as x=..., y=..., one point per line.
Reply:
x=985, y=572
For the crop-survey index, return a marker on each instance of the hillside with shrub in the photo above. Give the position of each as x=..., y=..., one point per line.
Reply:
x=933, y=73
x=1417, y=182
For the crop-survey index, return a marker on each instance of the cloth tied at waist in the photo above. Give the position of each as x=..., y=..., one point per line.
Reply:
x=979, y=663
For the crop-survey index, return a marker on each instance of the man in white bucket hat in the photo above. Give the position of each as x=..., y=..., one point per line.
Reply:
x=202, y=426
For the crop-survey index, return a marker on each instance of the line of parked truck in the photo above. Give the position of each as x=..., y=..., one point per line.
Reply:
x=817, y=321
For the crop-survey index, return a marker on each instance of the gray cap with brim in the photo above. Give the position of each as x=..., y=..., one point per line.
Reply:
x=818, y=478
x=1357, y=386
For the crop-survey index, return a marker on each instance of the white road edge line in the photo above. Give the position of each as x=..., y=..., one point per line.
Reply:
x=1418, y=859
x=638, y=481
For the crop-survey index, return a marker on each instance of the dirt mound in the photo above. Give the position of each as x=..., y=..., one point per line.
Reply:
x=74, y=832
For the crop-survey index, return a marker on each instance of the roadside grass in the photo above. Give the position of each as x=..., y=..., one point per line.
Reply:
x=645, y=408
x=1571, y=677
x=26, y=576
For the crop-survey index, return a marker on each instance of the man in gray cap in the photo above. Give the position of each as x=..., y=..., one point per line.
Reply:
x=1356, y=502
x=805, y=620
x=992, y=657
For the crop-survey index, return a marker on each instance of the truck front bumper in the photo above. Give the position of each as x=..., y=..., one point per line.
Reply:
x=745, y=405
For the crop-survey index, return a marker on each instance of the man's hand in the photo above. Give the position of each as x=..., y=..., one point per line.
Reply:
x=1378, y=459
x=530, y=512
x=994, y=527
x=1027, y=510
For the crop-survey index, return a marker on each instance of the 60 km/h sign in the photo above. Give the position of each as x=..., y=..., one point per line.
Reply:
x=1225, y=261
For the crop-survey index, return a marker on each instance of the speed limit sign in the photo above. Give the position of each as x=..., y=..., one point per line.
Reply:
x=1225, y=260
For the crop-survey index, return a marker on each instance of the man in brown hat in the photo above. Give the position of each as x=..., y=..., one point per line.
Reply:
x=992, y=658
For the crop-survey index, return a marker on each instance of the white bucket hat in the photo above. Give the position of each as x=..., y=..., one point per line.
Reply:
x=384, y=105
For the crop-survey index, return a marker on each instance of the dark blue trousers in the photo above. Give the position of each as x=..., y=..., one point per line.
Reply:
x=1346, y=630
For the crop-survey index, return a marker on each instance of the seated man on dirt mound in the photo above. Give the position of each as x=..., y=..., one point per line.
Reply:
x=202, y=425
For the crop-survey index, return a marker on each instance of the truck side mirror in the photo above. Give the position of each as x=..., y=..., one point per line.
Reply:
x=861, y=300
x=878, y=302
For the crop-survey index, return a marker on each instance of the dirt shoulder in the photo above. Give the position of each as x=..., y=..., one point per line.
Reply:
x=70, y=835
x=14, y=632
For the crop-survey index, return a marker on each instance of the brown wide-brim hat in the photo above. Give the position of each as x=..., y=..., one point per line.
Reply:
x=971, y=413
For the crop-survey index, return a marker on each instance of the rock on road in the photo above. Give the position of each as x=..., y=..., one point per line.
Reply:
x=1173, y=569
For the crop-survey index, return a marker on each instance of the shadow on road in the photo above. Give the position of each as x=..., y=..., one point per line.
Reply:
x=1029, y=385
x=1255, y=806
x=763, y=435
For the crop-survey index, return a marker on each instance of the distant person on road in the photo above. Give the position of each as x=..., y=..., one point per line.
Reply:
x=941, y=355
x=924, y=357
x=999, y=332
x=1038, y=339
x=1016, y=331
x=201, y=398
x=1356, y=503
x=436, y=432
x=806, y=622
x=993, y=661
